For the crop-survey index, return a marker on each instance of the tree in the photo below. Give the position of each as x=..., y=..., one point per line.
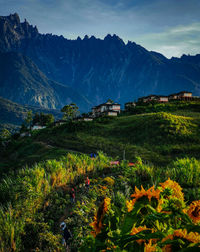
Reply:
x=70, y=111
x=43, y=119
x=110, y=100
x=23, y=128
x=5, y=134
x=29, y=119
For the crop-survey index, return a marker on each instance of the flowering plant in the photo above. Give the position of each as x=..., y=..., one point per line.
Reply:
x=156, y=219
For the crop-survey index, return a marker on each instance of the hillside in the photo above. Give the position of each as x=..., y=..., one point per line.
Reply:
x=21, y=81
x=157, y=138
x=13, y=114
x=35, y=200
x=100, y=68
x=39, y=172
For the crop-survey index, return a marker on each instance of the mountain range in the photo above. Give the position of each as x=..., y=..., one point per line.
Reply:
x=50, y=71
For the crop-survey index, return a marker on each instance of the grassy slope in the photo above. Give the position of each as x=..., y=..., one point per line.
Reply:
x=158, y=138
x=154, y=137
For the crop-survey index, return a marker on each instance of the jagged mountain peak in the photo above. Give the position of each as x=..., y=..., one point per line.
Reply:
x=114, y=38
x=100, y=68
x=12, y=31
x=12, y=18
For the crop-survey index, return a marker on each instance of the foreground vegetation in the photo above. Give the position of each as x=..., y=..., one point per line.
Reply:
x=153, y=220
x=35, y=200
x=38, y=173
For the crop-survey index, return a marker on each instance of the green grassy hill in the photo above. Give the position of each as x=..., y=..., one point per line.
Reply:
x=157, y=138
x=39, y=172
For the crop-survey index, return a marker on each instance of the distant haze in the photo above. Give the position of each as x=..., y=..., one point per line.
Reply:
x=171, y=27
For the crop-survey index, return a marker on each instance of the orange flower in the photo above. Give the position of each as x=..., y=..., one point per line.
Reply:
x=149, y=247
x=150, y=193
x=177, y=190
x=136, y=230
x=97, y=224
x=193, y=237
x=106, y=204
x=130, y=204
x=160, y=203
x=194, y=211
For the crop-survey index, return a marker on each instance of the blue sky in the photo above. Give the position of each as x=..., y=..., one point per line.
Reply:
x=171, y=27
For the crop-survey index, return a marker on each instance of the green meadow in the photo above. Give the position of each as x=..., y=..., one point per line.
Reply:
x=38, y=173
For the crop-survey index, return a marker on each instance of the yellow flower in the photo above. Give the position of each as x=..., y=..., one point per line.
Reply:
x=150, y=193
x=97, y=224
x=193, y=237
x=177, y=190
x=130, y=204
x=136, y=230
x=160, y=203
x=194, y=211
x=106, y=204
x=149, y=247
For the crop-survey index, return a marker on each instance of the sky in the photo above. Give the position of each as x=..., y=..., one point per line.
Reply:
x=171, y=27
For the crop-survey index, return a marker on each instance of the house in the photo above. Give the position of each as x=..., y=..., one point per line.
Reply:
x=59, y=122
x=25, y=134
x=84, y=119
x=109, y=108
x=129, y=105
x=147, y=98
x=38, y=127
x=172, y=97
x=150, y=98
x=183, y=95
x=162, y=99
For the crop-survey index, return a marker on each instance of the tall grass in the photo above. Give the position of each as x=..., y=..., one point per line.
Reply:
x=25, y=194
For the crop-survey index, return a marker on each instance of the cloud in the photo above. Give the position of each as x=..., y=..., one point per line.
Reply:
x=174, y=41
x=169, y=26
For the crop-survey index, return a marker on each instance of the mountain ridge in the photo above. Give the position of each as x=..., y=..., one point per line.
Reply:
x=101, y=69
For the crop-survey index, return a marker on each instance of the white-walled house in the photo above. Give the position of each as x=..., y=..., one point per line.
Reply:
x=158, y=98
x=183, y=95
x=38, y=127
x=108, y=108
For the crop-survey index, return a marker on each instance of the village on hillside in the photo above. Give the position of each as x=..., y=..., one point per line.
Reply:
x=113, y=109
x=110, y=108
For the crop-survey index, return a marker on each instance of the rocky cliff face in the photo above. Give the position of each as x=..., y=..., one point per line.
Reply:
x=21, y=81
x=101, y=69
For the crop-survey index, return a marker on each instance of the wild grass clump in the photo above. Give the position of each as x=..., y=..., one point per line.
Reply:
x=28, y=199
x=34, y=200
x=186, y=171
